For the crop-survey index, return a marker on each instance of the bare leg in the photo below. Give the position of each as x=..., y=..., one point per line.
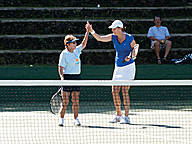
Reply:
x=157, y=49
x=168, y=48
x=125, y=92
x=116, y=99
x=75, y=100
x=65, y=103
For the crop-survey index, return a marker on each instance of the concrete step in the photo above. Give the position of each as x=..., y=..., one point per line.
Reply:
x=56, y=26
x=94, y=12
x=87, y=57
x=85, y=51
x=91, y=3
x=55, y=42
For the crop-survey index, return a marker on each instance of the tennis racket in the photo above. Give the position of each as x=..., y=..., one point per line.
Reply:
x=56, y=102
x=134, y=52
x=128, y=56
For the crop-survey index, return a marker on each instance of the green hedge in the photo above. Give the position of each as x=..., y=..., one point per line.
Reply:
x=20, y=58
x=53, y=27
x=56, y=43
x=87, y=58
x=85, y=3
x=96, y=13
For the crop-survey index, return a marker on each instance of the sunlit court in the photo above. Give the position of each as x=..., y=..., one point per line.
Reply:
x=158, y=114
x=95, y=72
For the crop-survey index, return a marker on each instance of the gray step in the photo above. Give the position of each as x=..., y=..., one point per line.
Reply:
x=55, y=42
x=91, y=3
x=84, y=51
x=87, y=57
x=56, y=26
x=93, y=12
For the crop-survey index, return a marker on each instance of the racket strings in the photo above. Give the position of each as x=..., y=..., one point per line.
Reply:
x=56, y=104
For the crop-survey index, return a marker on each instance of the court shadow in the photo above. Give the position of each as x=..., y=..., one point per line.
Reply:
x=24, y=107
x=105, y=107
x=156, y=125
x=100, y=127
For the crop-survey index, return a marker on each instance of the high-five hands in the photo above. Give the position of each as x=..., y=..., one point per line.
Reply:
x=89, y=27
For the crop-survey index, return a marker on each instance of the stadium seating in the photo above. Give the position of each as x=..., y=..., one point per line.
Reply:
x=33, y=32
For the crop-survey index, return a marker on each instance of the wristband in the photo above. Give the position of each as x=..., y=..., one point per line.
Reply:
x=87, y=33
x=92, y=32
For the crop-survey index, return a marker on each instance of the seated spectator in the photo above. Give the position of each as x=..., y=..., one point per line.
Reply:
x=159, y=36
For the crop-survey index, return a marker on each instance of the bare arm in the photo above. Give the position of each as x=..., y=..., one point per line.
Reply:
x=166, y=38
x=105, y=38
x=161, y=41
x=85, y=39
x=60, y=70
x=84, y=42
x=135, y=48
x=154, y=39
x=132, y=44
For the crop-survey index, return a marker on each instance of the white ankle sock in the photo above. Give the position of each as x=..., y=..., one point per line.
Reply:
x=61, y=120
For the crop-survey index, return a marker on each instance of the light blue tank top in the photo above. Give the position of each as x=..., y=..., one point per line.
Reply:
x=122, y=50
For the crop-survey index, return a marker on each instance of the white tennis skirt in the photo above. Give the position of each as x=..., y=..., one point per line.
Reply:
x=124, y=73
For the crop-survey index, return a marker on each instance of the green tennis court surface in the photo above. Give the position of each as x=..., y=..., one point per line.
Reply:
x=151, y=122
x=158, y=114
x=96, y=72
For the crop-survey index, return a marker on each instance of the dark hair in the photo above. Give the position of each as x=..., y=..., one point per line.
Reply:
x=156, y=17
x=123, y=29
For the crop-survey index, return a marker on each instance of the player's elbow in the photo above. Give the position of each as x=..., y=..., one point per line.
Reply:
x=151, y=38
x=60, y=67
x=99, y=38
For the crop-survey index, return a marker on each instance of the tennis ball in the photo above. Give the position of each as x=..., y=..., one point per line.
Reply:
x=31, y=65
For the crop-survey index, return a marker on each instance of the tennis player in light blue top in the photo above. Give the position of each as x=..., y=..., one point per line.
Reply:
x=69, y=68
x=70, y=61
x=124, y=44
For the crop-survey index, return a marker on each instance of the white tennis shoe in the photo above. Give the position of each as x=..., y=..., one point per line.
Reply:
x=125, y=120
x=116, y=119
x=61, y=121
x=77, y=122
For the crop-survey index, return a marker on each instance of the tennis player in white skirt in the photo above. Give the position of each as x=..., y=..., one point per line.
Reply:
x=124, y=45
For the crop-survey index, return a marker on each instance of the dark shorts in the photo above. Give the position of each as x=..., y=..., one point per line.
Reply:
x=72, y=77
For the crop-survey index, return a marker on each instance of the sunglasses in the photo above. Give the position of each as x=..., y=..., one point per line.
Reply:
x=74, y=42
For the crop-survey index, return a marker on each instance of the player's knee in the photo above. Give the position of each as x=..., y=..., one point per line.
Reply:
x=125, y=89
x=75, y=104
x=169, y=43
x=115, y=93
x=156, y=44
x=66, y=102
x=126, y=99
x=115, y=89
x=75, y=100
